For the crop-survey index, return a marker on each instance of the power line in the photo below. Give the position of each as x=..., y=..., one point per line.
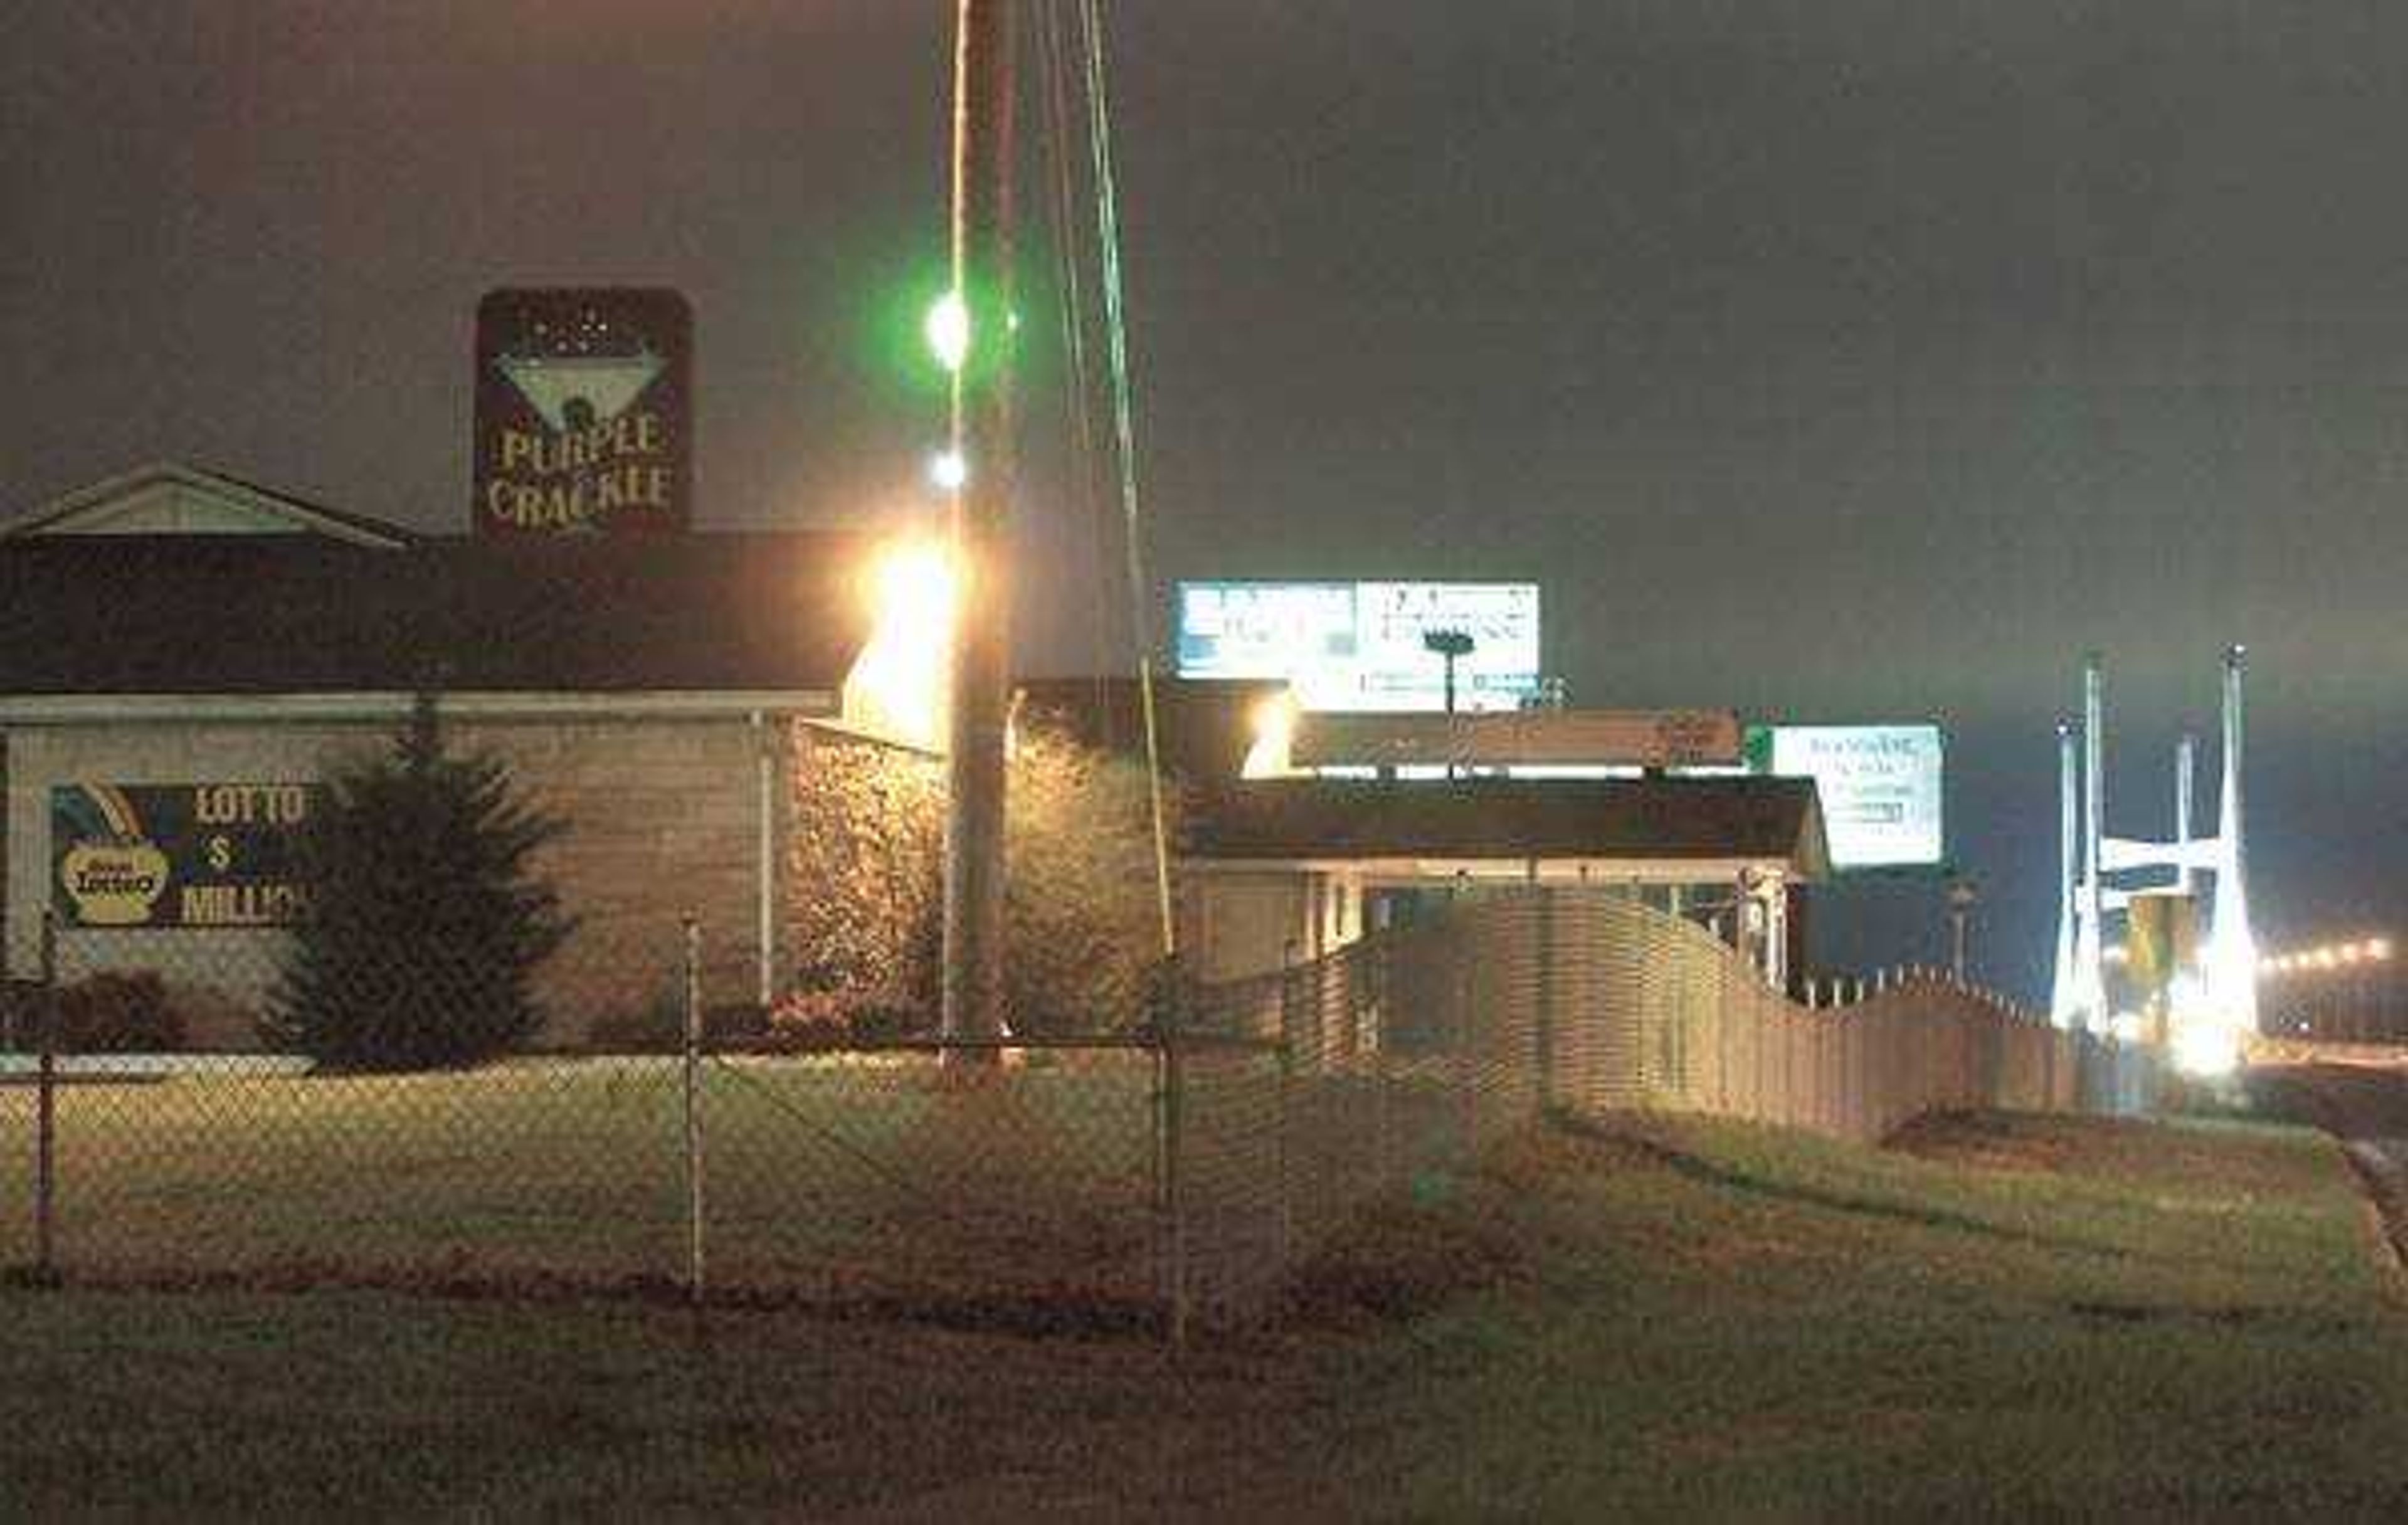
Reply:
x=1108, y=246
x=1093, y=511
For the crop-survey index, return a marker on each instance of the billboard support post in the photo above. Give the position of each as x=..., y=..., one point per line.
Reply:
x=46, y=1120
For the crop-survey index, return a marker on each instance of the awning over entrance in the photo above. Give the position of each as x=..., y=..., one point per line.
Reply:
x=1284, y=867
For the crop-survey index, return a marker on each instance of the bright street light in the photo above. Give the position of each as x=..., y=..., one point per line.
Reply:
x=948, y=328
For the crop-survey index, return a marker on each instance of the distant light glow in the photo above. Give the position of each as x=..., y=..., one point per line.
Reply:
x=947, y=470
x=2206, y=1050
x=2206, y=1037
x=2371, y=950
x=948, y=329
x=1274, y=730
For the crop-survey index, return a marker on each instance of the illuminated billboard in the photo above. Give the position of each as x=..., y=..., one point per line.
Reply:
x=1879, y=785
x=1362, y=646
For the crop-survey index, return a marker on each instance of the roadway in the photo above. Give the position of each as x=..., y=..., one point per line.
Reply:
x=2359, y=1093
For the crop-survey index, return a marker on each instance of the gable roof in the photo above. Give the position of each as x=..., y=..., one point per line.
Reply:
x=1750, y=817
x=285, y=614
x=175, y=491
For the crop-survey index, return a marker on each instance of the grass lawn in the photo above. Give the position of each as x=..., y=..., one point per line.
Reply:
x=2029, y=1316
x=1668, y=1318
x=818, y=1172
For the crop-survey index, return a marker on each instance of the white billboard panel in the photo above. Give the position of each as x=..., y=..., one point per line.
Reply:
x=1879, y=787
x=1359, y=645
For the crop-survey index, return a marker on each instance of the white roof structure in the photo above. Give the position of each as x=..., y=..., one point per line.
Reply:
x=167, y=498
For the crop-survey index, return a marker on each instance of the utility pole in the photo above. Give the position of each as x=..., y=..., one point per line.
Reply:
x=983, y=444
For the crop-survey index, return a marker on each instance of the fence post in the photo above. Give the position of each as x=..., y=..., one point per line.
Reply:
x=1544, y=1036
x=1384, y=1143
x=1786, y=1114
x=1174, y=1204
x=1466, y=1045
x=694, y=1223
x=1284, y=1249
x=46, y=1106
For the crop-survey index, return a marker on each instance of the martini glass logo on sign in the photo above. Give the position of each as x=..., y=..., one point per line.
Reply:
x=581, y=414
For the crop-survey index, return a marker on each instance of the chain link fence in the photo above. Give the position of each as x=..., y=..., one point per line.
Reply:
x=1385, y=1067
x=658, y=1138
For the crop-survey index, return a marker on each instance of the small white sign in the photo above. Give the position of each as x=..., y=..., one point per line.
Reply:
x=1879, y=787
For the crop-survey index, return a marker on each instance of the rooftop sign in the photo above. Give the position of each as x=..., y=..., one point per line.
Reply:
x=1364, y=645
x=582, y=412
x=1524, y=739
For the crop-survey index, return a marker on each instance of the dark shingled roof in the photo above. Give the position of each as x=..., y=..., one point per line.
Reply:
x=256, y=615
x=1653, y=818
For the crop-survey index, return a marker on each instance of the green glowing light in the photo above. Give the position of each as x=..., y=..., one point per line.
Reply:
x=948, y=329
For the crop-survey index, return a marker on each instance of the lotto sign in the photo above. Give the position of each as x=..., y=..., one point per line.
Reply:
x=177, y=855
x=583, y=411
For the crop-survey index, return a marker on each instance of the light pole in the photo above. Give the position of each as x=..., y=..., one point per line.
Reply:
x=1450, y=645
x=1962, y=899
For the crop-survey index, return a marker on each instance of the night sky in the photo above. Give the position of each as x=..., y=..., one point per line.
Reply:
x=1831, y=361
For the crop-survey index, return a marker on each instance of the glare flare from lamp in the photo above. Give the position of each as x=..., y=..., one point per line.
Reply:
x=899, y=683
x=2206, y=1049
x=1274, y=733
